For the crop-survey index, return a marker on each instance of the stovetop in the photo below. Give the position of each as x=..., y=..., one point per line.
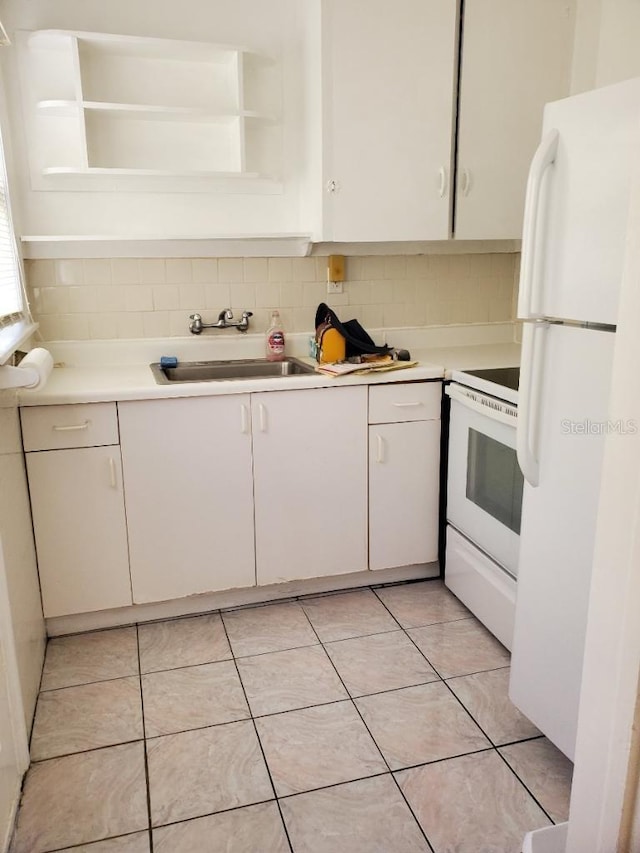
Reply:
x=499, y=382
x=507, y=377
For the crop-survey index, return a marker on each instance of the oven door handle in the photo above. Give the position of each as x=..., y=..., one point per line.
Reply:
x=486, y=411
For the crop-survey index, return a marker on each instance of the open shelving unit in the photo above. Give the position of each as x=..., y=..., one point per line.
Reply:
x=116, y=106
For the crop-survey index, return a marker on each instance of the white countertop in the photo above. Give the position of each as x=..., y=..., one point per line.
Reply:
x=115, y=370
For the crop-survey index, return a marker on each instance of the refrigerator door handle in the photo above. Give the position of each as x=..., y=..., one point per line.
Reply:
x=528, y=302
x=528, y=399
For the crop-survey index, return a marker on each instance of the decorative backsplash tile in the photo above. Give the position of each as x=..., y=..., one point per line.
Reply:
x=153, y=297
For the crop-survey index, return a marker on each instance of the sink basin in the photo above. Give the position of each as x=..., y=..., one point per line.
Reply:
x=215, y=371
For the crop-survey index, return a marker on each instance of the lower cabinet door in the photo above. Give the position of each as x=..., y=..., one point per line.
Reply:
x=403, y=493
x=80, y=529
x=189, y=495
x=310, y=470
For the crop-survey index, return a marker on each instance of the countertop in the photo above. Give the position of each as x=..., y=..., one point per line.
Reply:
x=115, y=370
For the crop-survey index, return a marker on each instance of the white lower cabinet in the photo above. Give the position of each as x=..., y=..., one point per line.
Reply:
x=189, y=495
x=80, y=529
x=310, y=482
x=229, y=491
x=404, y=463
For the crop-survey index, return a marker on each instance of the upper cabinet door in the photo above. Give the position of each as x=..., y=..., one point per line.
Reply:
x=516, y=56
x=388, y=90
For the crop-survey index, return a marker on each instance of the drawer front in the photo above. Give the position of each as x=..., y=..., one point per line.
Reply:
x=405, y=401
x=62, y=427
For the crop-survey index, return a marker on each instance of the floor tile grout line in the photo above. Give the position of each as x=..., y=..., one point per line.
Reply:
x=348, y=698
x=274, y=651
x=447, y=622
x=211, y=814
x=525, y=786
x=378, y=775
x=407, y=634
x=337, y=639
x=99, y=841
x=144, y=746
x=468, y=712
x=491, y=740
x=493, y=746
x=482, y=749
x=523, y=740
x=257, y=734
x=88, y=683
x=428, y=624
x=100, y=748
x=357, y=710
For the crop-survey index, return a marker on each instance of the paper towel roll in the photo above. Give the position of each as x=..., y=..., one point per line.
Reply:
x=37, y=366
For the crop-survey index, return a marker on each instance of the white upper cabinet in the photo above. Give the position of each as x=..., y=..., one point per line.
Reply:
x=388, y=80
x=515, y=57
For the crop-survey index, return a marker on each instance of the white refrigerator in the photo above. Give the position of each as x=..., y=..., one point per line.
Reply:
x=573, y=250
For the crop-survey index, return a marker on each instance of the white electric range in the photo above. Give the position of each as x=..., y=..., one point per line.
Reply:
x=484, y=496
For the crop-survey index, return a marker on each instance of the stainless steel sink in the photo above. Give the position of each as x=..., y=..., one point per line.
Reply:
x=215, y=371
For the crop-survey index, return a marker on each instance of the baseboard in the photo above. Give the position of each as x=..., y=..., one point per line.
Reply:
x=228, y=598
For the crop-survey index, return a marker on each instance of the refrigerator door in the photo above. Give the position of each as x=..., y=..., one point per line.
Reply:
x=576, y=206
x=570, y=399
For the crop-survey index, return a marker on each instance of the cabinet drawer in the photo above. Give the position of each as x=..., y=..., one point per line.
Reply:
x=61, y=427
x=405, y=401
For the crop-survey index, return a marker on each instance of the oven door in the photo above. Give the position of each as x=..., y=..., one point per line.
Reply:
x=484, y=484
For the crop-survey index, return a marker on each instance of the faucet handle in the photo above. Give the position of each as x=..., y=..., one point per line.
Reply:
x=195, y=326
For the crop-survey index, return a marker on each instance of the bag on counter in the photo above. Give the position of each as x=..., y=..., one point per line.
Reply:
x=336, y=341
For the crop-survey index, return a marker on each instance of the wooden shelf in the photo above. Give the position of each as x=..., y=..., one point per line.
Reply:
x=148, y=112
x=138, y=107
x=104, y=171
x=141, y=46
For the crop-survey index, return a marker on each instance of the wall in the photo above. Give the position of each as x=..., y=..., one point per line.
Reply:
x=22, y=637
x=130, y=298
x=606, y=43
x=19, y=554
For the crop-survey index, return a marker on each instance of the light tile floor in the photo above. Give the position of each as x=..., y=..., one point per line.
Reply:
x=372, y=721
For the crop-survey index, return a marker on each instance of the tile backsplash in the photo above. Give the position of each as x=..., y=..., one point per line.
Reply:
x=153, y=297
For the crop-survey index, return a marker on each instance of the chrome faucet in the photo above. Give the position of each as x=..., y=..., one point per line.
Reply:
x=224, y=322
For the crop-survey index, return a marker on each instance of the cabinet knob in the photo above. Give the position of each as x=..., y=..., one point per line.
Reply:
x=442, y=187
x=465, y=182
x=262, y=412
x=244, y=420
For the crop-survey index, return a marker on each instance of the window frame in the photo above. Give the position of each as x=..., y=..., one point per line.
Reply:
x=18, y=326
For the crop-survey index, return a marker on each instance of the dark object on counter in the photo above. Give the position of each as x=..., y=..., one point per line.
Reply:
x=358, y=341
x=401, y=355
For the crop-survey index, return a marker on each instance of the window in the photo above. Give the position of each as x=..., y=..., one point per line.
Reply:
x=15, y=322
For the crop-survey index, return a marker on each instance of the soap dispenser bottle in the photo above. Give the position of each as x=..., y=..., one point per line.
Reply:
x=275, y=338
